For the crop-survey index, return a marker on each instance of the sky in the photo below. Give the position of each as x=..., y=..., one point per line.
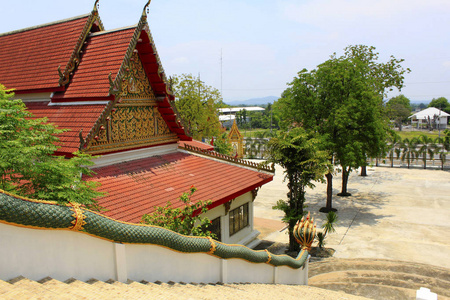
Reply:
x=254, y=48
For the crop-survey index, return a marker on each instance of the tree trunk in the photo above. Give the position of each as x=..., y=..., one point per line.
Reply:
x=364, y=171
x=345, y=174
x=329, y=206
x=293, y=245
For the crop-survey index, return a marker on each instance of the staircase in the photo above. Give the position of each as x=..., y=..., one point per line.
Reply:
x=379, y=279
x=48, y=288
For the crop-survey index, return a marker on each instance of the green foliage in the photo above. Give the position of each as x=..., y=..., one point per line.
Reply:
x=427, y=148
x=440, y=103
x=257, y=119
x=222, y=145
x=398, y=109
x=197, y=104
x=320, y=239
x=185, y=220
x=299, y=154
x=27, y=165
x=409, y=150
x=342, y=101
x=328, y=227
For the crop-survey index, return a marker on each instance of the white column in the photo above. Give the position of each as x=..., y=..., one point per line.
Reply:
x=275, y=275
x=225, y=228
x=224, y=271
x=121, y=262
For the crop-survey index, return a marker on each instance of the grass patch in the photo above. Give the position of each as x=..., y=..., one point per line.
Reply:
x=416, y=134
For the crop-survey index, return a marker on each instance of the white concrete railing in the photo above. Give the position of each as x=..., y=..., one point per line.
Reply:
x=61, y=254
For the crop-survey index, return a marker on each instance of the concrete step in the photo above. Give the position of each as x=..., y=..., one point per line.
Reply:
x=334, y=264
x=371, y=291
x=379, y=279
x=27, y=286
x=386, y=278
x=48, y=288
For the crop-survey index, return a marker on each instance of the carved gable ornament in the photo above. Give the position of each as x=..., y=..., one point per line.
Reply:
x=134, y=121
x=135, y=84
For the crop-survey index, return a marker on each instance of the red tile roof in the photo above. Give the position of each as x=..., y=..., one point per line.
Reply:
x=104, y=54
x=198, y=144
x=73, y=117
x=29, y=58
x=136, y=187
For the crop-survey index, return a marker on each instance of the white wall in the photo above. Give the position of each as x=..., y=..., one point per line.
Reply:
x=63, y=254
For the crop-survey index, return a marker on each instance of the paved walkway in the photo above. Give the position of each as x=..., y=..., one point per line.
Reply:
x=401, y=214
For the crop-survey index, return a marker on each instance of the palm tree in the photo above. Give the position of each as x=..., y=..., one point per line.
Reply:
x=409, y=150
x=443, y=158
x=394, y=141
x=427, y=148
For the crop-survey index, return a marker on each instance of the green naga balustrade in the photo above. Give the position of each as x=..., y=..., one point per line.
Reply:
x=29, y=213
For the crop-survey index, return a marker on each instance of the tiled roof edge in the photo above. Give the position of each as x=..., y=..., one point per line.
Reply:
x=112, y=30
x=227, y=158
x=64, y=77
x=44, y=25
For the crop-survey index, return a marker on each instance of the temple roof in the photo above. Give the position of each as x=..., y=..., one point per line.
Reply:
x=29, y=58
x=74, y=117
x=136, y=187
x=103, y=54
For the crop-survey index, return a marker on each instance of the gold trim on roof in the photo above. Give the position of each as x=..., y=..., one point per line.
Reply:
x=131, y=124
x=74, y=61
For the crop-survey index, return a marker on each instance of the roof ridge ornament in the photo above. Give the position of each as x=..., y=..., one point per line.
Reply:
x=145, y=11
x=96, y=5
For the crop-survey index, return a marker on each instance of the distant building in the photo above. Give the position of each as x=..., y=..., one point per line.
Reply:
x=228, y=115
x=432, y=116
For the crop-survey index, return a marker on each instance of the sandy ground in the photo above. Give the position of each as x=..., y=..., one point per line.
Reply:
x=399, y=213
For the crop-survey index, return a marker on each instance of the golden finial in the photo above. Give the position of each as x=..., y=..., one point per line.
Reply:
x=96, y=5
x=146, y=10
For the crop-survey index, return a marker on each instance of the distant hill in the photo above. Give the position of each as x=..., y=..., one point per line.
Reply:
x=253, y=101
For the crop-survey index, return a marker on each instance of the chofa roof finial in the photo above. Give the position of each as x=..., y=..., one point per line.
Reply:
x=145, y=11
x=96, y=5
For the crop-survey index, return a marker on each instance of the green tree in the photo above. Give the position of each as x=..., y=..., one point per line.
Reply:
x=186, y=220
x=427, y=148
x=342, y=101
x=440, y=103
x=398, y=109
x=27, y=164
x=299, y=154
x=222, y=145
x=394, y=141
x=409, y=150
x=197, y=104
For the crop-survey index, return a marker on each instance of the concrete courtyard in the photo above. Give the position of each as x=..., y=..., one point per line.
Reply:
x=393, y=213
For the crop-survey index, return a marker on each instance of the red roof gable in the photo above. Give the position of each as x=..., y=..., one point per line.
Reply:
x=29, y=58
x=103, y=54
x=73, y=117
x=134, y=188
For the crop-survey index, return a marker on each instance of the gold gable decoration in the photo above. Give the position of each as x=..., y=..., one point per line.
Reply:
x=236, y=140
x=135, y=84
x=132, y=124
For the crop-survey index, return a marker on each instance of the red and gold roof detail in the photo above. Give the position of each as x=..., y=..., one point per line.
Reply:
x=29, y=58
x=103, y=54
x=131, y=124
x=136, y=187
